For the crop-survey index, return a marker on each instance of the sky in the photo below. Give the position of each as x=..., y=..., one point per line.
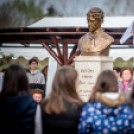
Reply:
x=81, y=7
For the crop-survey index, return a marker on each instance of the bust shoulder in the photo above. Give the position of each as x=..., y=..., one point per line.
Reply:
x=85, y=36
x=106, y=36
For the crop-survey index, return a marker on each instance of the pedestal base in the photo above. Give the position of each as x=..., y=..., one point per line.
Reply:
x=89, y=67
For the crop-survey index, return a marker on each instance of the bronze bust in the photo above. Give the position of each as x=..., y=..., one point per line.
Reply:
x=95, y=42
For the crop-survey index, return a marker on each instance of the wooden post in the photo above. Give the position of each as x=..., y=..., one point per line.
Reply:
x=73, y=50
x=72, y=57
x=52, y=53
x=58, y=48
x=65, y=52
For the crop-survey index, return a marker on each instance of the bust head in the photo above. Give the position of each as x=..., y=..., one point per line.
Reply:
x=95, y=18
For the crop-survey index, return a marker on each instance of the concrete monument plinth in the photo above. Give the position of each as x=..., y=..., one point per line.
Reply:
x=89, y=67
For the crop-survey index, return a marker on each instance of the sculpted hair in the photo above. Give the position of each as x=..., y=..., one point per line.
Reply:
x=15, y=82
x=106, y=82
x=63, y=90
x=95, y=12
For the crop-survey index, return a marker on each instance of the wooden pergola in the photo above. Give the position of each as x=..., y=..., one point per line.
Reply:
x=51, y=37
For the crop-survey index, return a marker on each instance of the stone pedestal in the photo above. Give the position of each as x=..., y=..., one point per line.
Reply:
x=89, y=67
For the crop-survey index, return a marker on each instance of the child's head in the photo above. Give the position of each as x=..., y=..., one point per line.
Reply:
x=37, y=94
x=106, y=82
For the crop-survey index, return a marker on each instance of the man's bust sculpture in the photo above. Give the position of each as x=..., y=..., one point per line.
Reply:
x=95, y=42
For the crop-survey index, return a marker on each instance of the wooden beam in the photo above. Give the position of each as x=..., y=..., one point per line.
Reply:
x=17, y=40
x=128, y=41
x=58, y=48
x=52, y=53
x=78, y=29
x=50, y=41
x=22, y=30
x=65, y=52
x=56, y=33
x=73, y=50
x=72, y=57
x=57, y=29
x=44, y=33
x=48, y=29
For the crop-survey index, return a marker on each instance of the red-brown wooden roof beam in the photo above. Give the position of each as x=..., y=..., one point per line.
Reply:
x=78, y=29
x=65, y=52
x=73, y=50
x=52, y=53
x=50, y=41
x=56, y=33
x=64, y=49
x=72, y=57
x=58, y=48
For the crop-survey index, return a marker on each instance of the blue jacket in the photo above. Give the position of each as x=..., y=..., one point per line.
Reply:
x=97, y=118
x=17, y=115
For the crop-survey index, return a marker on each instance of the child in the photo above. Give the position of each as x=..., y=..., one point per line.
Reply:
x=37, y=94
